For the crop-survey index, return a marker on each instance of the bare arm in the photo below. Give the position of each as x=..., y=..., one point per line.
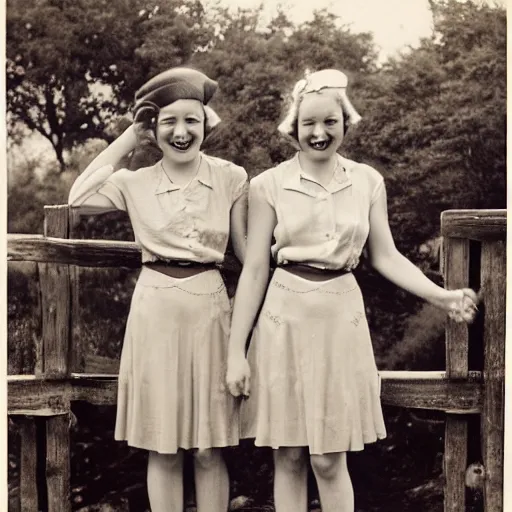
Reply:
x=238, y=228
x=83, y=193
x=389, y=262
x=251, y=289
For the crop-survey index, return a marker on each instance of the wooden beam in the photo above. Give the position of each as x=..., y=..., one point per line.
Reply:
x=455, y=397
x=456, y=270
x=474, y=224
x=85, y=253
x=424, y=390
x=95, y=390
x=28, y=395
x=492, y=423
x=100, y=365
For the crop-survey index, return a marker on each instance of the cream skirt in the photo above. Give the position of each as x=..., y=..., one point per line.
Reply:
x=314, y=379
x=171, y=381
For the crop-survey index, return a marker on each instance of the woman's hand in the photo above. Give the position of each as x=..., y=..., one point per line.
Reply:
x=385, y=258
x=461, y=305
x=238, y=376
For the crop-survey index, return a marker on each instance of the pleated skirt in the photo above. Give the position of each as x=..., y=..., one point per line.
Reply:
x=314, y=379
x=172, y=391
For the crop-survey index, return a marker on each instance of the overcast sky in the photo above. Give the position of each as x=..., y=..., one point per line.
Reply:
x=394, y=23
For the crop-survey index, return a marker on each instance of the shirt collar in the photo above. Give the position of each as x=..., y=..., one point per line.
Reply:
x=204, y=175
x=164, y=184
x=295, y=177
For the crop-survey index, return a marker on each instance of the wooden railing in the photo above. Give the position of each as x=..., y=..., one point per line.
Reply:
x=473, y=255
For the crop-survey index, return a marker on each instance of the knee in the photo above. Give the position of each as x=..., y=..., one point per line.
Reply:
x=206, y=459
x=292, y=459
x=165, y=461
x=329, y=465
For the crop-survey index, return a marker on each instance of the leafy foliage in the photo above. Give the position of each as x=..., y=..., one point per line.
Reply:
x=73, y=65
x=435, y=121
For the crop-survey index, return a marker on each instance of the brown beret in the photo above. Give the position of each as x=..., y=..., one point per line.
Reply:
x=176, y=84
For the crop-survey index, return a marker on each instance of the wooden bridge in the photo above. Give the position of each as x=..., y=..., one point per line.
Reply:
x=473, y=255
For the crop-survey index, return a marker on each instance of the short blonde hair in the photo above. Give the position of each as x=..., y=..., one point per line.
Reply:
x=326, y=80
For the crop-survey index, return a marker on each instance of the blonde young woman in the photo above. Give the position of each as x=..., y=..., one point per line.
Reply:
x=172, y=396
x=311, y=374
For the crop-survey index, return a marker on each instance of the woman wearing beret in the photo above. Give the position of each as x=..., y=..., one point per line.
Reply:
x=314, y=383
x=172, y=396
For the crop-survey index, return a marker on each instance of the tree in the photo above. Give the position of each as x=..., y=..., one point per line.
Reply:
x=434, y=121
x=257, y=66
x=325, y=42
x=73, y=65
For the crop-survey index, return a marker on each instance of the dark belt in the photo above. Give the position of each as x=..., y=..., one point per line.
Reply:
x=180, y=268
x=313, y=273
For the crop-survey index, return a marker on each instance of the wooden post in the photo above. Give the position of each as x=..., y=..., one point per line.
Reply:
x=77, y=350
x=493, y=277
x=56, y=300
x=28, y=465
x=456, y=268
x=58, y=463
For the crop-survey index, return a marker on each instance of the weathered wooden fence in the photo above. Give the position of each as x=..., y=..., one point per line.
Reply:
x=473, y=255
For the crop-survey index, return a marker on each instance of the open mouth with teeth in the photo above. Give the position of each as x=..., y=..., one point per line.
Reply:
x=320, y=145
x=181, y=145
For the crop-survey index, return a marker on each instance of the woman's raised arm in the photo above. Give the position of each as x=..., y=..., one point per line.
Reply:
x=83, y=193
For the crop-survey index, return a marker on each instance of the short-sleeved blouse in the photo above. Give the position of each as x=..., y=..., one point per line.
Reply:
x=322, y=227
x=172, y=222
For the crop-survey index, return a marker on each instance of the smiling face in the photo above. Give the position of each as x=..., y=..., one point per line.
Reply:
x=320, y=125
x=180, y=130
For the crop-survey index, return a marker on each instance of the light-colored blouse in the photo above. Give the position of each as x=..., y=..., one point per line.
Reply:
x=322, y=227
x=172, y=222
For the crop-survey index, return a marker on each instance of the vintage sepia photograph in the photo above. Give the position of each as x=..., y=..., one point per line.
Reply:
x=256, y=255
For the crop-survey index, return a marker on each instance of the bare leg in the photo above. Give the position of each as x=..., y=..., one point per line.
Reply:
x=333, y=480
x=212, y=481
x=290, y=480
x=165, y=482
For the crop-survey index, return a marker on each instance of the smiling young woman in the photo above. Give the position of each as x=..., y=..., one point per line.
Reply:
x=180, y=133
x=183, y=209
x=310, y=369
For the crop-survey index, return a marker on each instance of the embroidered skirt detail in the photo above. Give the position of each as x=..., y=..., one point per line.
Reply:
x=172, y=391
x=314, y=378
